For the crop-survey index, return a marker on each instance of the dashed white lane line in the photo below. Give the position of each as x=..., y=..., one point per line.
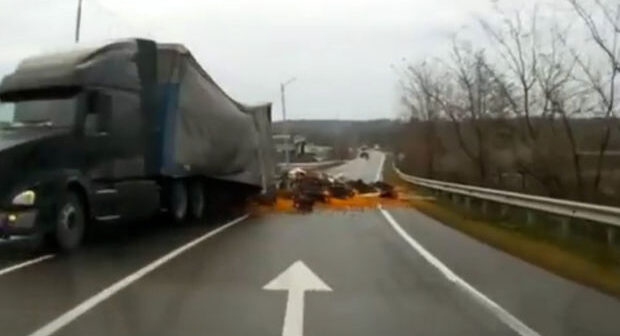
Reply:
x=25, y=264
x=66, y=318
x=502, y=314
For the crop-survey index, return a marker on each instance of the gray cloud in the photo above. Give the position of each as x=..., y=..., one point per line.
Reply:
x=340, y=51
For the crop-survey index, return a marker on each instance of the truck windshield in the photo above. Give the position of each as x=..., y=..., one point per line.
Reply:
x=58, y=112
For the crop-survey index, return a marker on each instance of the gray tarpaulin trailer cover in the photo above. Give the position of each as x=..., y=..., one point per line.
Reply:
x=187, y=125
x=206, y=130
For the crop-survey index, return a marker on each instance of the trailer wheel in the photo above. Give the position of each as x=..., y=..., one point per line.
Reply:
x=197, y=200
x=178, y=201
x=70, y=223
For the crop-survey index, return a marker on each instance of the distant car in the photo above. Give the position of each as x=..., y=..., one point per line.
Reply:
x=364, y=155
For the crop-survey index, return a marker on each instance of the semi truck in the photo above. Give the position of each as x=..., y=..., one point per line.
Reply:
x=121, y=131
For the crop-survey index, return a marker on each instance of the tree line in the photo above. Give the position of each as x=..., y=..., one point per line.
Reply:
x=535, y=111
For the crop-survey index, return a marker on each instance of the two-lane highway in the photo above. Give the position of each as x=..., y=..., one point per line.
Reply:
x=368, y=170
x=368, y=272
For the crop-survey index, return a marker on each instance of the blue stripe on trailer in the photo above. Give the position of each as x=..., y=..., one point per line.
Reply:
x=166, y=116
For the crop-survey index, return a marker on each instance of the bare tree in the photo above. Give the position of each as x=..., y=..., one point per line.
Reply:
x=563, y=98
x=531, y=92
x=419, y=85
x=517, y=45
x=538, y=82
x=604, y=34
x=475, y=101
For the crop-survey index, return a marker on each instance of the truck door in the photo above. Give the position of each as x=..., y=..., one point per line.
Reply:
x=115, y=136
x=96, y=145
x=97, y=152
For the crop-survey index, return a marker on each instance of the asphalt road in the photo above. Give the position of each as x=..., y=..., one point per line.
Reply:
x=368, y=170
x=371, y=272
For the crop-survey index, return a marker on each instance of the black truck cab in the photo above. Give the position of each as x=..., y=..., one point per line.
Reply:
x=75, y=121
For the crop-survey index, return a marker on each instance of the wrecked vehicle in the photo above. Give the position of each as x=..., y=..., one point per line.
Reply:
x=307, y=188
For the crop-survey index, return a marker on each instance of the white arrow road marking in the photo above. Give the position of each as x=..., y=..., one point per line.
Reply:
x=296, y=279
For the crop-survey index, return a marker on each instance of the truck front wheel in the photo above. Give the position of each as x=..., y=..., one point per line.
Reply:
x=178, y=201
x=70, y=222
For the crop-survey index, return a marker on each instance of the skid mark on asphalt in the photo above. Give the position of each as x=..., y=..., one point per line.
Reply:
x=503, y=315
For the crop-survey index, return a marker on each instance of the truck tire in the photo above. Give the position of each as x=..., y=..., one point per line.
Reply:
x=70, y=223
x=197, y=200
x=178, y=201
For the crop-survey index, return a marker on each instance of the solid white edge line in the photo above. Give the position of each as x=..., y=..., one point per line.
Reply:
x=380, y=171
x=66, y=318
x=513, y=322
x=25, y=264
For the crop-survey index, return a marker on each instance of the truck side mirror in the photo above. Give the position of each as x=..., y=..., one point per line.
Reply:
x=98, y=110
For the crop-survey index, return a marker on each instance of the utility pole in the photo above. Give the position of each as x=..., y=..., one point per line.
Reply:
x=78, y=22
x=285, y=124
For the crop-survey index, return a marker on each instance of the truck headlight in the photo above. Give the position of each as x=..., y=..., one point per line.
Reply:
x=25, y=198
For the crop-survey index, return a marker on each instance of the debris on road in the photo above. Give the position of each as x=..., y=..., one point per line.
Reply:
x=387, y=190
x=302, y=190
x=341, y=190
x=362, y=187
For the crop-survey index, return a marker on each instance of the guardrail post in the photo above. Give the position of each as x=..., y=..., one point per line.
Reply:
x=530, y=217
x=565, y=227
x=484, y=207
x=467, y=201
x=611, y=235
x=503, y=211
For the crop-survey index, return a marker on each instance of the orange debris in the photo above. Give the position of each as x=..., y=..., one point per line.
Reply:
x=356, y=202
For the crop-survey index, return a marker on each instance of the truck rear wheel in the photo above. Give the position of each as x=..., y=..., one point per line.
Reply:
x=70, y=223
x=178, y=201
x=197, y=200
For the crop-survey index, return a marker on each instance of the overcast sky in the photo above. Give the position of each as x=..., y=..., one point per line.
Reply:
x=339, y=50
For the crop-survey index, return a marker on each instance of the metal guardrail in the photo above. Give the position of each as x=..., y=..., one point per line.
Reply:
x=592, y=212
x=310, y=165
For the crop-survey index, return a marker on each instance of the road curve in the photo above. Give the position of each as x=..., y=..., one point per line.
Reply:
x=368, y=170
x=406, y=276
